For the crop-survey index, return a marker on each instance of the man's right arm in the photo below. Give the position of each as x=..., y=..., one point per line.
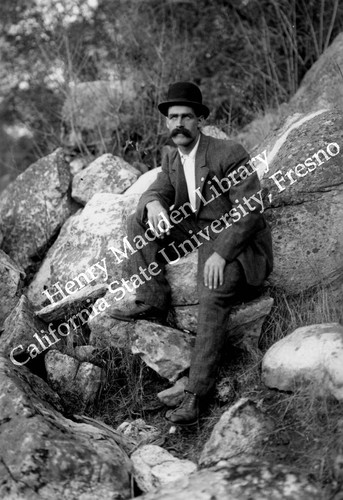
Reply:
x=158, y=197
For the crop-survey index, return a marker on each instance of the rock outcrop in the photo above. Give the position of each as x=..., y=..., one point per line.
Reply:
x=11, y=277
x=241, y=482
x=144, y=182
x=22, y=335
x=81, y=254
x=44, y=455
x=310, y=356
x=321, y=87
x=34, y=207
x=237, y=436
x=164, y=349
x=106, y=174
x=305, y=185
x=154, y=467
x=78, y=383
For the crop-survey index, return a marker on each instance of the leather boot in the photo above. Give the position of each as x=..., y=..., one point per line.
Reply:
x=137, y=311
x=188, y=411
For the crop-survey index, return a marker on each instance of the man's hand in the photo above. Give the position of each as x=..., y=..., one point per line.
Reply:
x=214, y=271
x=158, y=219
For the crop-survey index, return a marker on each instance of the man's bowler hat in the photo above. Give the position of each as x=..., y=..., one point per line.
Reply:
x=184, y=94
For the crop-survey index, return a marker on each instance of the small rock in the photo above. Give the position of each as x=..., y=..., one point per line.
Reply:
x=106, y=174
x=78, y=164
x=154, y=467
x=173, y=395
x=110, y=332
x=237, y=435
x=139, y=431
x=225, y=390
x=75, y=302
x=164, y=349
x=311, y=355
x=74, y=381
x=86, y=353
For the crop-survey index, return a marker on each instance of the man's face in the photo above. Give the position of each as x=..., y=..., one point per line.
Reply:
x=183, y=124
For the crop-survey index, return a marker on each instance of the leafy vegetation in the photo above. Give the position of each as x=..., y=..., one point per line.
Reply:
x=248, y=55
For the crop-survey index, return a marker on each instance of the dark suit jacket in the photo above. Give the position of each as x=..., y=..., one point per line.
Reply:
x=247, y=240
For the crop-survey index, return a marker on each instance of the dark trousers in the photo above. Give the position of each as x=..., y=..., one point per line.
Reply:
x=214, y=305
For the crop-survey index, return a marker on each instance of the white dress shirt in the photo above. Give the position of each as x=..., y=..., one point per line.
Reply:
x=188, y=162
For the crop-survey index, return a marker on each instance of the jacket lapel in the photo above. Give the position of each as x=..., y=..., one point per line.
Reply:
x=201, y=170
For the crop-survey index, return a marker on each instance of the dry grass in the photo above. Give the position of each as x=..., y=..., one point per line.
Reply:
x=319, y=305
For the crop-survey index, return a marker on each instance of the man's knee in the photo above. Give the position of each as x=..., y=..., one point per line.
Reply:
x=234, y=279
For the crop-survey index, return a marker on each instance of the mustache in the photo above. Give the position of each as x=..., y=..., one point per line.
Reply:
x=182, y=131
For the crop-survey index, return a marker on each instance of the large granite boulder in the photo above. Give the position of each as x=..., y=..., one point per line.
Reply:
x=310, y=356
x=11, y=278
x=106, y=174
x=258, y=481
x=44, y=455
x=81, y=254
x=34, y=207
x=144, y=182
x=304, y=205
x=322, y=85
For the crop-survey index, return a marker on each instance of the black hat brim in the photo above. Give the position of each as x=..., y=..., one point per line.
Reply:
x=200, y=109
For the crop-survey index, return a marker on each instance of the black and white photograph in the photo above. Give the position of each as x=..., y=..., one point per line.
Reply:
x=171, y=249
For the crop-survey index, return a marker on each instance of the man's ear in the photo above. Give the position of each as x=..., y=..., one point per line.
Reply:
x=167, y=122
x=201, y=121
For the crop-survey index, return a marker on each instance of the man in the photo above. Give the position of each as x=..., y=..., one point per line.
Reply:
x=208, y=197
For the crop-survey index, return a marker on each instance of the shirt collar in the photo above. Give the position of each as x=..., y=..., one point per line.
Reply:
x=192, y=154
